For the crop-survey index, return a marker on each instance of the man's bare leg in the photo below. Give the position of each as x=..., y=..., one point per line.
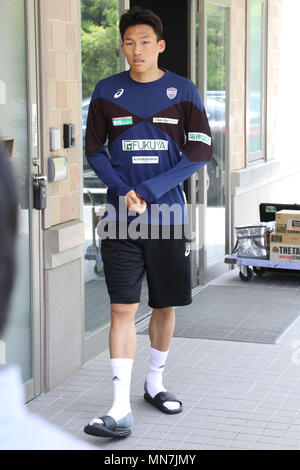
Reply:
x=161, y=328
x=122, y=345
x=122, y=336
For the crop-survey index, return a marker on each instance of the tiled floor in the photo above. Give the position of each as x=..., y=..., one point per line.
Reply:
x=236, y=395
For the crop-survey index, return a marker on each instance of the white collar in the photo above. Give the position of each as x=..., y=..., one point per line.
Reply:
x=12, y=396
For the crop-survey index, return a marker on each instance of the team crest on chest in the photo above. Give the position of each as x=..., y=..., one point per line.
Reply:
x=171, y=93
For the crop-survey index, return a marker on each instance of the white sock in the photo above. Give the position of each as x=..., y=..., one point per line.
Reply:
x=121, y=372
x=154, y=377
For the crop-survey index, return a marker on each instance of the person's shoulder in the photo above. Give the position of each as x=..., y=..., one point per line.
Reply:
x=107, y=85
x=183, y=82
x=186, y=89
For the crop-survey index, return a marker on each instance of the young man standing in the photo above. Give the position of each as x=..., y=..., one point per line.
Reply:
x=158, y=136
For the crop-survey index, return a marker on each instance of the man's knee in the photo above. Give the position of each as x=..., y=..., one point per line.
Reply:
x=164, y=313
x=122, y=311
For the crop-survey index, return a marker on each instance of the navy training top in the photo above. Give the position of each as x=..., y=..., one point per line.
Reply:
x=158, y=136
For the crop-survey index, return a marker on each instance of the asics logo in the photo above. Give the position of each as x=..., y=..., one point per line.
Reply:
x=119, y=93
x=187, y=250
x=116, y=378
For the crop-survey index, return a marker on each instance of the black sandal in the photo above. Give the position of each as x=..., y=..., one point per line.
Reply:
x=159, y=400
x=109, y=428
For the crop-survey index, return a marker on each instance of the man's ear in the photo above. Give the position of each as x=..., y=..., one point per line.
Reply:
x=162, y=45
x=122, y=48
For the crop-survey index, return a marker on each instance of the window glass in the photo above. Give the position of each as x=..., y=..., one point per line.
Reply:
x=255, y=77
x=100, y=59
x=16, y=344
x=216, y=113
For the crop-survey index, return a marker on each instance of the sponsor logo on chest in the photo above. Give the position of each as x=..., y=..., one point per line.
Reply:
x=122, y=121
x=143, y=144
x=164, y=120
x=145, y=159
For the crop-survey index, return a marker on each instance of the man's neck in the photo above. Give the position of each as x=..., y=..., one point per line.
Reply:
x=149, y=76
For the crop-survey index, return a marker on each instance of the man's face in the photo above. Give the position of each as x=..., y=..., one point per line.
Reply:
x=141, y=48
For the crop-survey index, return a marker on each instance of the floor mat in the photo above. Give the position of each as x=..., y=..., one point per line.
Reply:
x=235, y=313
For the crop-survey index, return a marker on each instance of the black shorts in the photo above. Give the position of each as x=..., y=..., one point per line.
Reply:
x=166, y=263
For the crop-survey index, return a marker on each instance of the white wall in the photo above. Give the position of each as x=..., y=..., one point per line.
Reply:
x=289, y=89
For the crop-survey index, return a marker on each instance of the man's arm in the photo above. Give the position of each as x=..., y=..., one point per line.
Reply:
x=97, y=157
x=196, y=152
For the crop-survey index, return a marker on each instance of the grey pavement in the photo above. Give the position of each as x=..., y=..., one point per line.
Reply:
x=236, y=395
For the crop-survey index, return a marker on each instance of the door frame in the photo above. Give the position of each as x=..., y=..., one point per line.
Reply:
x=207, y=273
x=33, y=387
x=97, y=342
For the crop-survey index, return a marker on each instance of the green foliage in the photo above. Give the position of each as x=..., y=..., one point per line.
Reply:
x=216, y=42
x=100, y=12
x=99, y=42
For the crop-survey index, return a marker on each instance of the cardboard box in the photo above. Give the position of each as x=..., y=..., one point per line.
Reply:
x=288, y=221
x=285, y=252
x=285, y=238
x=268, y=238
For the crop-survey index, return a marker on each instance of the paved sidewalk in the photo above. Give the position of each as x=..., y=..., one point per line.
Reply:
x=235, y=395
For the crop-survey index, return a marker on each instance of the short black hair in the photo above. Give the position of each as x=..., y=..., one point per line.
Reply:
x=137, y=15
x=8, y=231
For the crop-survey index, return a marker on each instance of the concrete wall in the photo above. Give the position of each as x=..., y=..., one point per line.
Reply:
x=60, y=85
x=62, y=322
x=268, y=180
x=61, y=30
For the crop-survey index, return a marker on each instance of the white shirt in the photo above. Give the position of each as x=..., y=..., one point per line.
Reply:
x=21, y=430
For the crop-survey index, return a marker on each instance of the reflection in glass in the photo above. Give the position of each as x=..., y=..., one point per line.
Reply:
x=255, y=75
x=216, y=111
x=100, y=59
x=15, y=346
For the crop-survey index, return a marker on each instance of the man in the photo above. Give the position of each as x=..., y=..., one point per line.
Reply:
x=19, y=430
x=158, y=136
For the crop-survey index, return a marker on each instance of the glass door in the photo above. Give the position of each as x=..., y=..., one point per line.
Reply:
x=99, y=27
x=216, y=111
x=212, y=205
x=20, y=344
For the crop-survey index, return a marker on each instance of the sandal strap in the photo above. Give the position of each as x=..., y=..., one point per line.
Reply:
x=161, y=397
x=109, y=422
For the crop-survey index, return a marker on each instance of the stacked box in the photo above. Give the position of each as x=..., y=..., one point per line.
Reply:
x=288, y=221
x=285, y=242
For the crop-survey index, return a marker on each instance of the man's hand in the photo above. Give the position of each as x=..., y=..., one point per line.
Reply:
x=135, y=202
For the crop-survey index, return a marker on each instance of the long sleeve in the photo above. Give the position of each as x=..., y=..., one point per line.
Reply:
x=195, y=153
x=97, y=157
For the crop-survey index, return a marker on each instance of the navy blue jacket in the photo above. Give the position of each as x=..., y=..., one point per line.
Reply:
x=158, y=136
